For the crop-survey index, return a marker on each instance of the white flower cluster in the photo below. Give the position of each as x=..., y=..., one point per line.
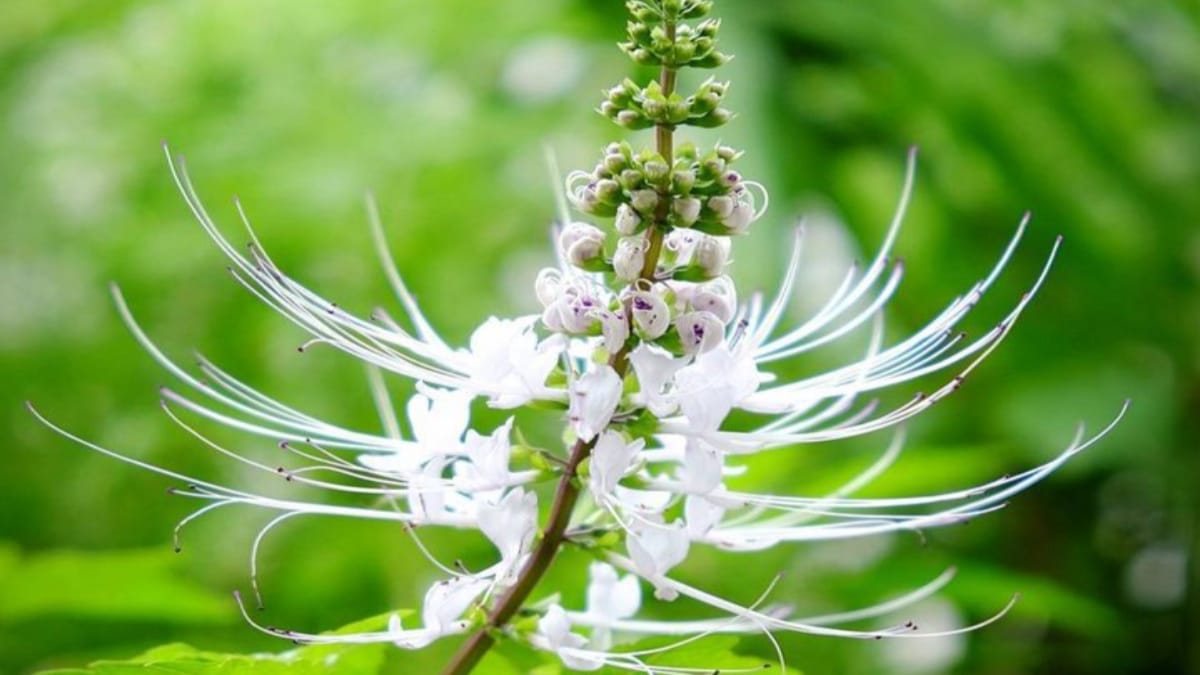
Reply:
x=446, y=474
x=646, y=346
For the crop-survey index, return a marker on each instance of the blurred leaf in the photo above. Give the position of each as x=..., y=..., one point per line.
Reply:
x=123, y=585
x=181, y=658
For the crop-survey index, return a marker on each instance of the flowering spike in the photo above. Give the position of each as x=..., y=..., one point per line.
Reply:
x=650, y=349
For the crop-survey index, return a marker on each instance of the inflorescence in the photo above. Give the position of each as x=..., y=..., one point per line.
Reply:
x=646, y=348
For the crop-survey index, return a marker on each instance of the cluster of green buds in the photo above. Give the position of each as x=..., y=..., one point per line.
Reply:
x=635, y=107
x=655, y=39
x=673, y=206
x=703, y=189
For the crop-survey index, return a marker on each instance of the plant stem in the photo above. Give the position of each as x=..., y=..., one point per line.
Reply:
x=567, y=493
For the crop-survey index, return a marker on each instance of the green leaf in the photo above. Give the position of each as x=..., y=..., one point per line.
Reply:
x=181, y=659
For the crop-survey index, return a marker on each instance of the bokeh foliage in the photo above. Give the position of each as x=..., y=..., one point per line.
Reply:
x=1083, y=112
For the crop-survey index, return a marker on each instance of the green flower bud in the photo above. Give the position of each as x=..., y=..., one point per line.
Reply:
x=608, y=109
x=614, y=164
x=618, y=96
x=684, y=51
x=655, y=108
x=721, y=206
x=711, y=167
x=638, y=32
x=631, y=179
x=716, y=118
x=608, y=191
x=631, y=119
x=672, y=8
x=728, y=154
x=643, y=57
x=697, y=9
x=678, y=111
x=683, y=181
x=703, y=104
x=657, y=173
x=713, y=60
x=644, y=201
x=686, y=210
x=708, y=28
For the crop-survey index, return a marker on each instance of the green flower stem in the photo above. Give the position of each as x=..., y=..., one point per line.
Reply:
x=567, y=493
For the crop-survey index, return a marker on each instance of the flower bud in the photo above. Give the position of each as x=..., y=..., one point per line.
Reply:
x=684, y=51
x=644, y=201
x=709, y=27
x=614, y=328
x=614, y=164
x=680, y=245
x=683, y=181
x=718, y=297
x=712, y=255
x=687, y=211
x=700, y=331
x=582, y=244
x=727, y=153
x=629, y=258
x=657, y=172
x=716, y=118
x=651, y=316
x=628, y=221
x=629, y=119
x=721, y=206
x=729, y=179
x=608, y=191
x=738, y=221
x=631, y=179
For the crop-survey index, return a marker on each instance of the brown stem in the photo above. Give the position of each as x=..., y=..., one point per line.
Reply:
x=567, y=494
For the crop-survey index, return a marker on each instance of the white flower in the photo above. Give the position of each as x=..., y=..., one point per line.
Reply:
x=486, y=470
x=510, y=524
x=718, y=297
x=627, y=221
x=651, y=316
x=629, y=258
x=687, y=210
x=610, y=598
x=581, y=243
x=655, y=367
x=739, y=219
x=445, y=602
x=710, y=387
x=700, y=331
x=655, y=548
x=508, y=354
x=701, y=515
x=554, y=628
x=701, y=470
x=612, y=457
x=594, y=399
x=615, y=329
x=712, y=255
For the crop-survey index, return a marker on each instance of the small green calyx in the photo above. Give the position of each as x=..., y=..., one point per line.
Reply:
x=634, y=107
x=656, y=38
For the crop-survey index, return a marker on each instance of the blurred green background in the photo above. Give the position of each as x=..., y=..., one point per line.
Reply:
x=1084, y=112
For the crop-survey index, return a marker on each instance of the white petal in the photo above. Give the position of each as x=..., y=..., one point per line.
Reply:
x=594, y=399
